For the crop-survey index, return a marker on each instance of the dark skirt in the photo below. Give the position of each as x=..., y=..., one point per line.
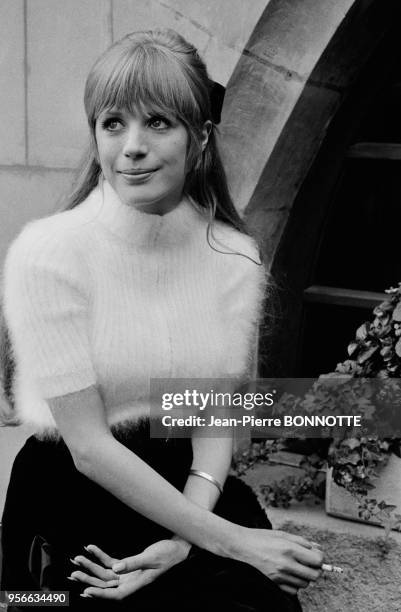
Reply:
x=52, y=511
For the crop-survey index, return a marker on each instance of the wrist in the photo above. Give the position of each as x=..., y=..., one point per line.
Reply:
x=230, y=545
x=184, y=545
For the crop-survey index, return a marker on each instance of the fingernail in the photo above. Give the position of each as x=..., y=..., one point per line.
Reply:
x=75, y=562
x=85, y=595
x=71, y=578
x=87, y=547
x=117, y=567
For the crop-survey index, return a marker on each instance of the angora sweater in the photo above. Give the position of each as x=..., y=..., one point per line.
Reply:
x=110, y=296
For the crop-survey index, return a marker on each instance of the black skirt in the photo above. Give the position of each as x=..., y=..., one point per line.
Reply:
x=52, y=511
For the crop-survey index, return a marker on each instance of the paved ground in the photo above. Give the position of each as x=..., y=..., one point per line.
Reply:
x=371, y=578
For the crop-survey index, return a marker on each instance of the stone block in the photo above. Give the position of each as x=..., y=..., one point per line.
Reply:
x=257, y=105
x=27, y=194
x=292, y=34
x=230, y=21
x=208, y=25
x=64, y=39
x=130, y=16
x=12, y=99
x=220, y=60
x=387, y=488
x=295, y=149
x=268, y=226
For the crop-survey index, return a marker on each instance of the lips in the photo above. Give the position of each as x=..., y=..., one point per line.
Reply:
x=132, y=172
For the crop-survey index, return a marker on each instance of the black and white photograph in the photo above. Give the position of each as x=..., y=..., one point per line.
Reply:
x=200, y=305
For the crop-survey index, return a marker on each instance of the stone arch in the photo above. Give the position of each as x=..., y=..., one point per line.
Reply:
x=292, y=132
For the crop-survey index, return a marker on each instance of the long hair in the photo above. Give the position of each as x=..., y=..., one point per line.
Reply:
x=160, y=72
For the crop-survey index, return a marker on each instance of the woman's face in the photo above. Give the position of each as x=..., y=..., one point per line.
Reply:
x=143, y=157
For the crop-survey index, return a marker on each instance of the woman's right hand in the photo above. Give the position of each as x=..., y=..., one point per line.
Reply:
x=290, y=561
x=133, y=572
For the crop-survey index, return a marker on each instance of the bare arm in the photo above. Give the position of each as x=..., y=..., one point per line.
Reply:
x=214, y=454
x=111, y=465
x=288, y=560
x=211, y=455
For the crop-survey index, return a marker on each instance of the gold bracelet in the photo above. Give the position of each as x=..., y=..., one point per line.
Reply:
x=208, y=477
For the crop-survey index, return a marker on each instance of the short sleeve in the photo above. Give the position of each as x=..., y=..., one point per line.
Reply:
x=247, y=310
x=243, y=281
x=46, y=297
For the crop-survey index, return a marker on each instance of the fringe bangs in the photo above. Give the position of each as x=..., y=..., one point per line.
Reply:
x=149, y=78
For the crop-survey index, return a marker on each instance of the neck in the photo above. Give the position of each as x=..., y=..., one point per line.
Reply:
x=160, y=208
x=146, y=229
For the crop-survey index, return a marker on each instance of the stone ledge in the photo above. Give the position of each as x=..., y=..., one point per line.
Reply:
x=308, y=512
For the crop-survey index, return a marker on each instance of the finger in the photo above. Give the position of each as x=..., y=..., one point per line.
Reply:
x=313, y=558
x=288, y=589
x=291, y=580
x=95, y=569
x=304, y=572
x=124, y=589
x=102, y=593
x=101, y=555
x=92, y=580
x=144, y=577
x=299, y=540
x=144, y=560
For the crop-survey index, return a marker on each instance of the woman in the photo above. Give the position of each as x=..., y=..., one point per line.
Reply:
x=148, y=274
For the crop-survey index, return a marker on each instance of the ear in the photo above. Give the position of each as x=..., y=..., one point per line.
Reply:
x=206, y=129
x=94, y=149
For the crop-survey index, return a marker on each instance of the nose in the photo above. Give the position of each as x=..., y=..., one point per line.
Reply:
x=135, y=144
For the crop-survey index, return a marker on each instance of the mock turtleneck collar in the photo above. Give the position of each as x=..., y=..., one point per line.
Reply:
x=141, y=228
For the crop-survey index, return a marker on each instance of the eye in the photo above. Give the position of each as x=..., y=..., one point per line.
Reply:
x=159, y=123
x=112, y=124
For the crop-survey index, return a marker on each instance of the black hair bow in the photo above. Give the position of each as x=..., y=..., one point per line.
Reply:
x=216, y=94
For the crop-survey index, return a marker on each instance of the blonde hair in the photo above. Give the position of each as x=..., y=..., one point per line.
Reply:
x=160, y=72
x=157, y=71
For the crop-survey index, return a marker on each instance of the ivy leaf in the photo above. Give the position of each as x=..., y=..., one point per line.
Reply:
x=369, y=485
x=368, y=353
x=383, y=506
x=352, y=348
x=382, y=308
x=362, y=332
x=354, y=458
x=352, y=443
x=386, y=352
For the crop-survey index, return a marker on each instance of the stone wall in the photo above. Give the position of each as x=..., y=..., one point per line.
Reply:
x=265, y=51
x=46, y=50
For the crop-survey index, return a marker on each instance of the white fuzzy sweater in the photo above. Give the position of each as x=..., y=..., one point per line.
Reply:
x=106, y=295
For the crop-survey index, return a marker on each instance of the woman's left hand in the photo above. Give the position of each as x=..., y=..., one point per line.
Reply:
x=133, y=572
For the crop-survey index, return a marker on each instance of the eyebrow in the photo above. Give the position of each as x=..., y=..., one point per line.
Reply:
x=146, y=113
x=111, y=111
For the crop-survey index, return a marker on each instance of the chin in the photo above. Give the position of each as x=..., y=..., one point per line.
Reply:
x=151, y=206
x=137, y=199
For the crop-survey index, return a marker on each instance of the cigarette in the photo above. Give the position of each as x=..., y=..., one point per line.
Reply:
x=326, y=567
